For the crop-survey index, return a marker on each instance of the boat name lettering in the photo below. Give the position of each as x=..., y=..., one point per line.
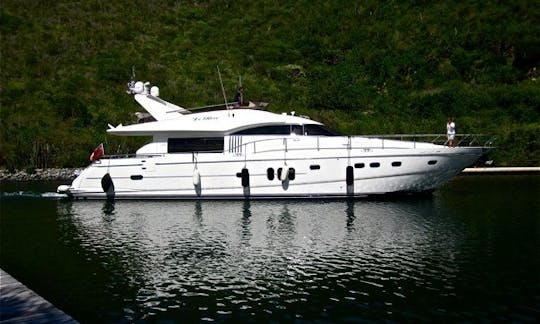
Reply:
x=204, y=118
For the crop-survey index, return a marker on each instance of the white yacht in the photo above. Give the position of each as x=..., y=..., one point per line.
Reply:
x=246, y=152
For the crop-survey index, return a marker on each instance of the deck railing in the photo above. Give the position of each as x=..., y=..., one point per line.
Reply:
x=261, y=145
x=441, y=139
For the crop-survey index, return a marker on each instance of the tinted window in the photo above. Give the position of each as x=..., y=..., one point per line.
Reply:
x=179, y=145
x=359, y=165
x=318, y=130
x=270, y=174
x=297, y=129
x=375, y=164
x=266, y=130
x=396, y=164
x=287, y=130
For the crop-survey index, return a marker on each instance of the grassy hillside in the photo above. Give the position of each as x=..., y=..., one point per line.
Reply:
x=361, y=67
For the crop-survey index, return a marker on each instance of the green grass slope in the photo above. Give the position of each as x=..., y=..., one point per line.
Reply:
x=361, y=67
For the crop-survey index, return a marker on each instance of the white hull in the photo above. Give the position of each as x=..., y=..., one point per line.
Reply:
x=317, y=173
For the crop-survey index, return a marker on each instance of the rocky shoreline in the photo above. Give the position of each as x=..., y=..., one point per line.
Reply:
x=40, y=174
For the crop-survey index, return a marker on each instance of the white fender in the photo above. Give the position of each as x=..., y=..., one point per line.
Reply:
x=63, y=189
x=196, y=177
x=284, y=173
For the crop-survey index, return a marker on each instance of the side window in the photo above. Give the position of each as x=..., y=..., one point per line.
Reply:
x=270, y=174
x=297, y=129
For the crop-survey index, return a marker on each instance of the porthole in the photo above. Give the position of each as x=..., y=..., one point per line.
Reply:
x=292, y=174
x=314, y=167
x=396, y=163
x=359, y=165
x=270, y=174
x=279, y=173
x=374, y=164
x=432, y=162
x=136, y=177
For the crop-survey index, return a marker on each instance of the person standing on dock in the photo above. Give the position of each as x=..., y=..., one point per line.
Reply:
x=450, y=131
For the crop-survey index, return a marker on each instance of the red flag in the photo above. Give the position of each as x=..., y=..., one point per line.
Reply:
x=98, y=152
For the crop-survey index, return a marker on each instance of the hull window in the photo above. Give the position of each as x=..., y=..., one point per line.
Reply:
x=396, y=164
x=359, y=165
x=292, y=174
x=374, y=164
x=136, y=177
x=205, y=144
x=270, y=174
x=314, y=167
x=432, y=162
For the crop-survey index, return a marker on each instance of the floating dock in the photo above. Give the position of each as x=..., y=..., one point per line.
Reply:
x=494, y=170
x=19, y=304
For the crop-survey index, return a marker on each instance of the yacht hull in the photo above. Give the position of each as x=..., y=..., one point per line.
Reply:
x=295, y=174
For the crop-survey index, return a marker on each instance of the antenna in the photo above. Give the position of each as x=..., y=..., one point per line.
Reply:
x=222, y=88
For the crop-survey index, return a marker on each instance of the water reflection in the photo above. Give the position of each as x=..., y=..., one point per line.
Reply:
x=223, y=258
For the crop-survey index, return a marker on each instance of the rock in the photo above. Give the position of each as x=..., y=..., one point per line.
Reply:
x=40, y=175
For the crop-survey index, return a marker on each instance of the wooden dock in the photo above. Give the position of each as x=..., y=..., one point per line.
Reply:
x=494, y=170
x=19, y=304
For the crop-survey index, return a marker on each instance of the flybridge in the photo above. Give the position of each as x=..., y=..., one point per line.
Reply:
x=163, y=117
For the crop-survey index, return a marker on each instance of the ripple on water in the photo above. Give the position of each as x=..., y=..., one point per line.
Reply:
x=262, y=260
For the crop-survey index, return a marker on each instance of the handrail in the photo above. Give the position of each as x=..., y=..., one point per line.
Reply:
x=440, y=139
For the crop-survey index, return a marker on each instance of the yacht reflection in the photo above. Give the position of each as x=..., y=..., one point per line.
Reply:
x=108, y=207
x=163, y=245
x=245, y=222
x=349, y=211
x=161, y=222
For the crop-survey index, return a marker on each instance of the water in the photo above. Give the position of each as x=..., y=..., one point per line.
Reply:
x=470, y=252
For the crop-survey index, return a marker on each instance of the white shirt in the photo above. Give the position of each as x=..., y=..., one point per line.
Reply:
x=451, y=128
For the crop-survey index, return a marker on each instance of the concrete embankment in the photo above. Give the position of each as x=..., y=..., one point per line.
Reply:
x=40, y=175
x=498, y=170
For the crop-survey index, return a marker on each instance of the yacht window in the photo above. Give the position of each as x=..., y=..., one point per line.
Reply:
x=359, y=165
x=375, y=164
x=205, y=144
x=396, y=164
x=297, y=129
x=318, y=130
x=432, y=162
x=266, y=130
x=287, y=130
x=314, y=167
x=292, y=174
x=270, y=174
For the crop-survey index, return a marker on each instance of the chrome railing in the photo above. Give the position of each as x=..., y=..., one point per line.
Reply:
x=261, y=145
x=479, y=140
x=482, y=140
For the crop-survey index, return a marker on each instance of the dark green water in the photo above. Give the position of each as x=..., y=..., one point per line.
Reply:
x=470, y=252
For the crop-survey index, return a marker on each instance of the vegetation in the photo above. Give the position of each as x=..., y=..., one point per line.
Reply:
x=361, y=67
